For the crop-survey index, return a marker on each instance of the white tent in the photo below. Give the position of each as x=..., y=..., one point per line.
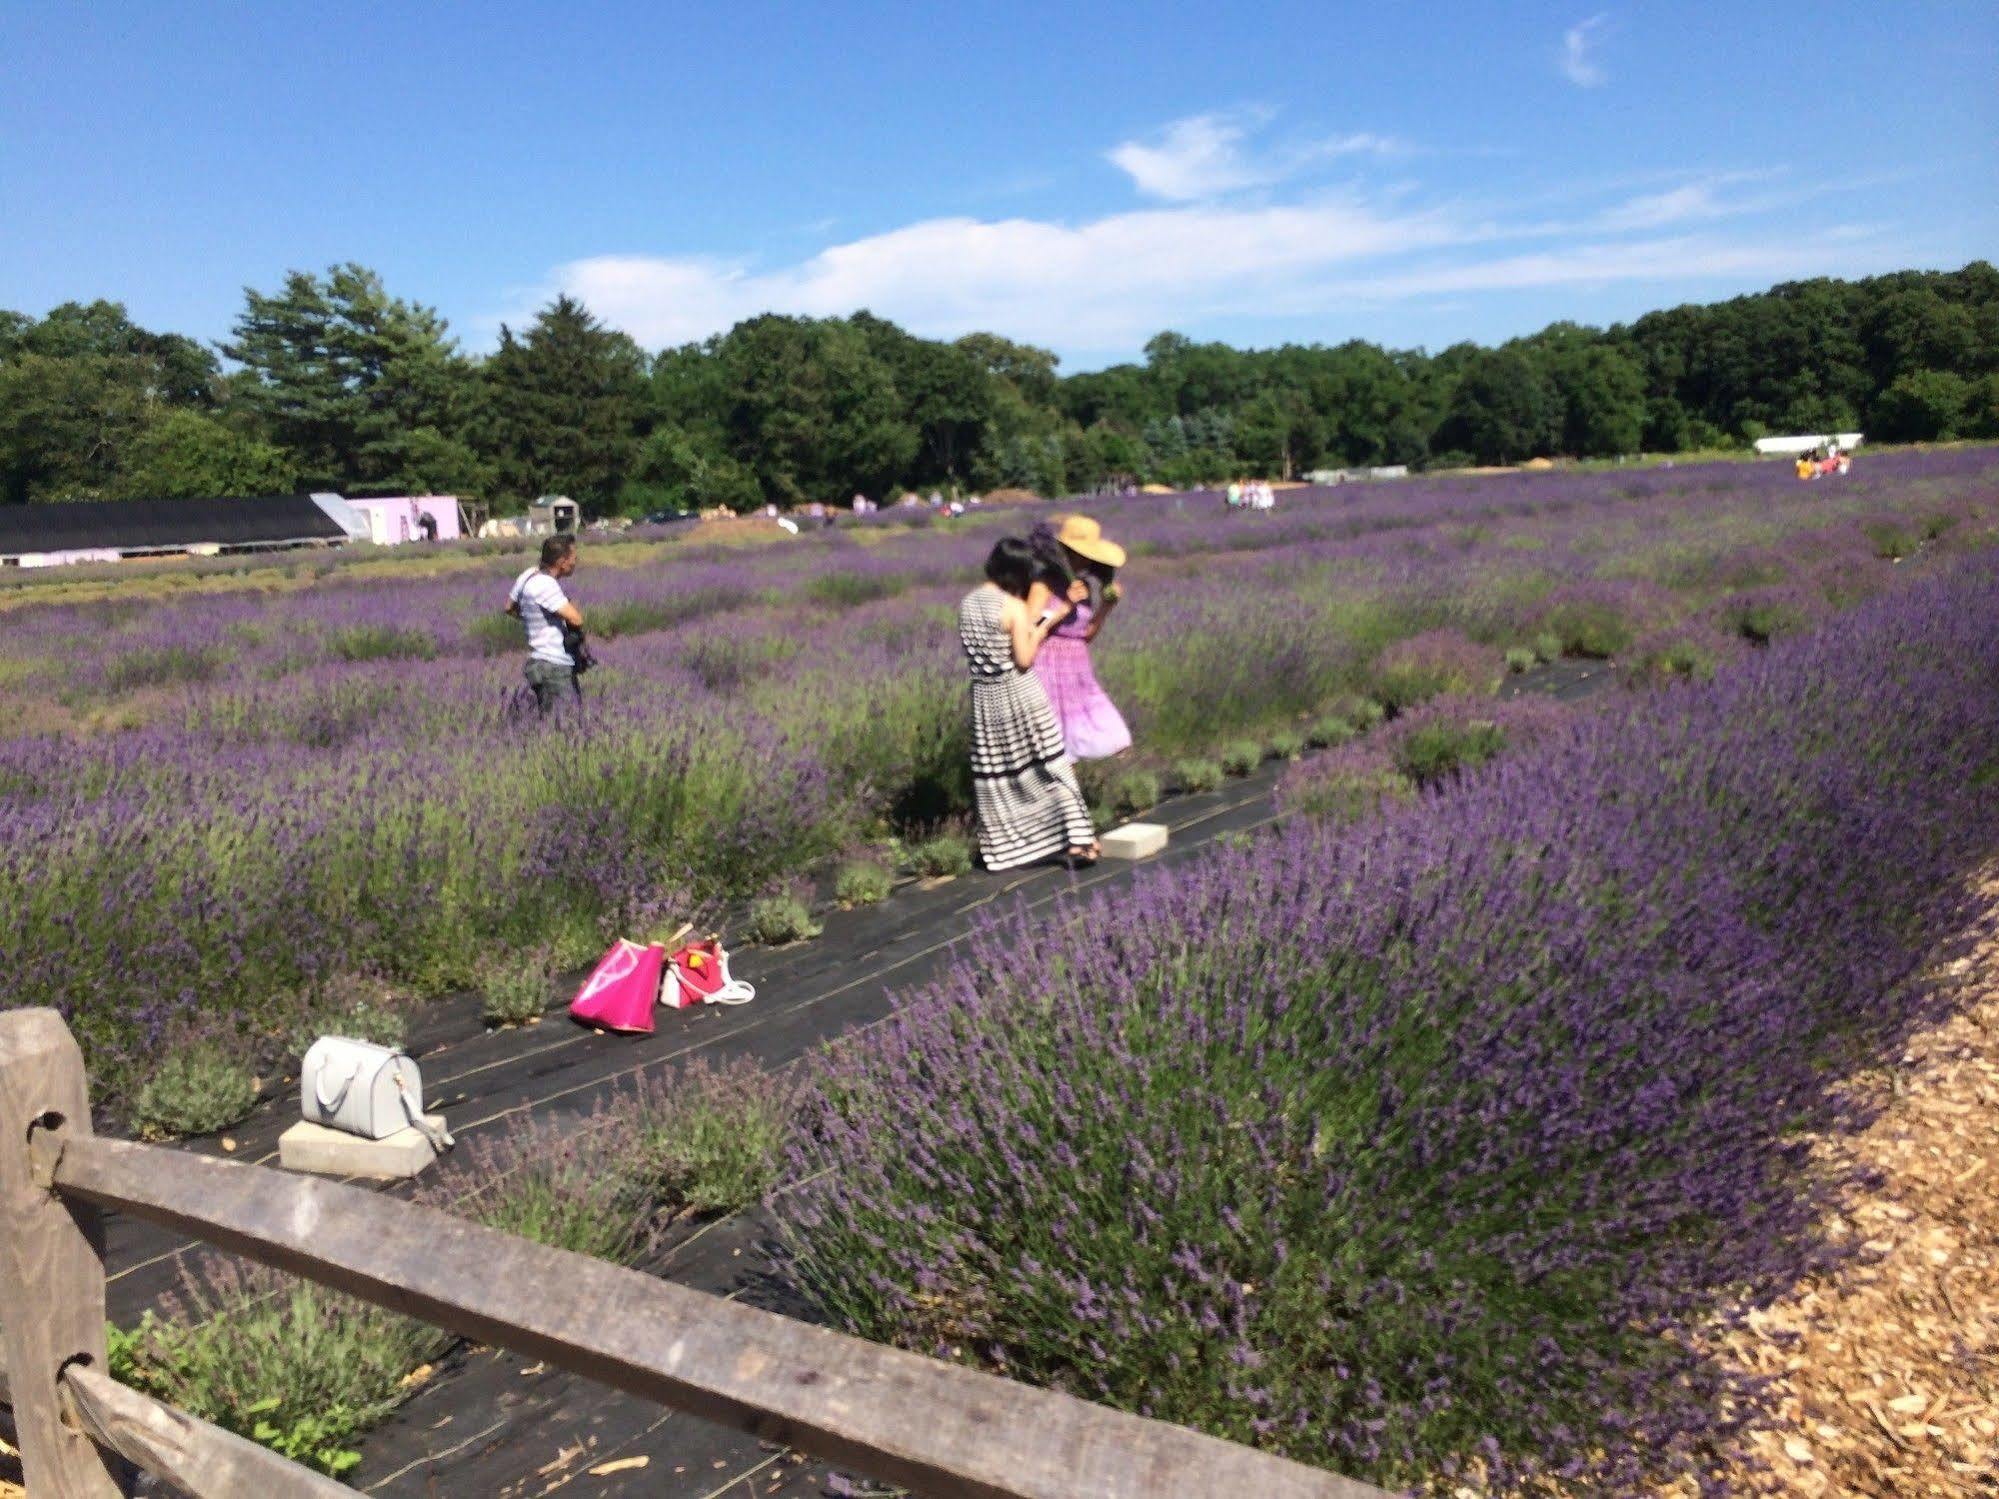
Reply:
x=1776, y=447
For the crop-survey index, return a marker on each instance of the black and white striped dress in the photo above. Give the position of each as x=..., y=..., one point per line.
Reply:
x=1029, y=804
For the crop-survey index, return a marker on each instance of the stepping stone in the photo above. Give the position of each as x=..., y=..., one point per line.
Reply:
x=333, y=1152
x=1135, y=840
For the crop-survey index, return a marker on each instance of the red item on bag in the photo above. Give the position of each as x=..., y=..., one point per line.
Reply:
x=698, y=974
x=622, y=988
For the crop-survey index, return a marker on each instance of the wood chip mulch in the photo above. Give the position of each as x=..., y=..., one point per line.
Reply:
x=1888, y=1368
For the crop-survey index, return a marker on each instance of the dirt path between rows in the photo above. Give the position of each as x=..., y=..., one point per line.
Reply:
x=1888, y=1369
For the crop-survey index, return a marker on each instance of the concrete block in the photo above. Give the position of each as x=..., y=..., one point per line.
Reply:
x=1135, y=840
x=332, y=1152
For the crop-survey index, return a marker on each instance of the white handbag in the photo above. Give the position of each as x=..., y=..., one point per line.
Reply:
x=364, y=1089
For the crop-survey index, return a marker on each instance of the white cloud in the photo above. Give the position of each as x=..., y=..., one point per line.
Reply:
x=1205, y=156
x=1676, y=259
x=1105, y=283
x=1578, y=65
x=1197, y=157
x=1101, y=285
x=1695, y=200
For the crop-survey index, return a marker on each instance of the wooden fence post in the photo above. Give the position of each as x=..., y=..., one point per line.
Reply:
x=51, y=1259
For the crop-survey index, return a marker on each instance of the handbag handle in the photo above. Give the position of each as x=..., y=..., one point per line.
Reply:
x=332, y=1105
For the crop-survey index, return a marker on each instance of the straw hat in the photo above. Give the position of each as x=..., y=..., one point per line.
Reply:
x=1085, y=538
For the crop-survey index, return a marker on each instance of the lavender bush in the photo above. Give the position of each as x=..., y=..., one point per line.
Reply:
x=1417, y=1148
x=319, y=767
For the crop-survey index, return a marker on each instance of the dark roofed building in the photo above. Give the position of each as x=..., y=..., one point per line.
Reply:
x=126, y=528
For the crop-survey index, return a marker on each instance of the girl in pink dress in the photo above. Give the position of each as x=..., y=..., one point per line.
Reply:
x=1092, y=727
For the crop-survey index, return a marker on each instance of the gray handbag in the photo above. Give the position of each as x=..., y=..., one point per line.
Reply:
x=364, y=1089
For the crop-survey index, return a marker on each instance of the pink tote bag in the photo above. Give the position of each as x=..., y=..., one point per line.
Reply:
x=620, y=993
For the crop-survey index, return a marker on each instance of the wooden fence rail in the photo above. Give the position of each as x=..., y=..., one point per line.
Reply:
x=938, y=1428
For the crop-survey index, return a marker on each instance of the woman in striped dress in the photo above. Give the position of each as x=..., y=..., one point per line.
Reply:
x=1029, y=804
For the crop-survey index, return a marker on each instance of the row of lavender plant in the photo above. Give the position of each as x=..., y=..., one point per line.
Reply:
x=326, y=780
x=1423, y=1147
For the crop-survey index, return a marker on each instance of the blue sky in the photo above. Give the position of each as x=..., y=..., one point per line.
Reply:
x=1080, y=175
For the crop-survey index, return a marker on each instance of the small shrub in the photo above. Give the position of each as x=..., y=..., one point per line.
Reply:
x=383, y=643
x=162, y=666
x=1675, y=657
x=1102, y=818
x=1547, y=646
x=1329, y=731
x=1135, y=791
x=298, y=1368
x=945, y=854
x=1762, y=621
x=516, y=989
x=1364, y=713
x=1520, y=658
x=351, y=1007
x=1424, y=666
x=1287, y=744
x=1441, y=749
x=1241, y=756
x=1594, y=628
x=1345, y=793
x=847, y=590
x=1197, y=775
x=713, y=1138
x=777, y=919
x=862, y=882
x=196, y=1091
x=551, y=1183
x=1892, y=540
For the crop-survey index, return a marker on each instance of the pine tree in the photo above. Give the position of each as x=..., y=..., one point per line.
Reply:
x=563, y=404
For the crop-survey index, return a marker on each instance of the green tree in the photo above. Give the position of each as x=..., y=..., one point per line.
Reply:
x=811, y=411
x=944, y=390
x=77, y=388
x=1602, y=396
x=186, y=454
x=1504, y=409
x=564, y=402
x=688, y=470
x=1921, y=406
x=364, y=389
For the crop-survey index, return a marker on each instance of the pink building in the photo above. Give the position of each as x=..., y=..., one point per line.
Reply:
x=395, y=519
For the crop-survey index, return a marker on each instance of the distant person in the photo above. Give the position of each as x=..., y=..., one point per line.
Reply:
x=1092, y=727
x=427, y=523
x=1023, y=785
x=538, y=601
x=1234, y=494
x=860, y=504
x=1807, y=469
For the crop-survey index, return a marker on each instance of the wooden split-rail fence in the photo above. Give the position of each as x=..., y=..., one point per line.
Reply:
x=934, y=1427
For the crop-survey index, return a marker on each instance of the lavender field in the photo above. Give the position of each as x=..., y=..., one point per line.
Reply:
x=218, y=805
x=1438, y=1146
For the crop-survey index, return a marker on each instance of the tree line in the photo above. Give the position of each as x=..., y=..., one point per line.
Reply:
x=330, y=382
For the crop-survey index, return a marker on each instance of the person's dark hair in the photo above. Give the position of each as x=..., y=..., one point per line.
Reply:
x=1051, y=559
x=1011, y=564
x=555, y=548
x=1096, y=576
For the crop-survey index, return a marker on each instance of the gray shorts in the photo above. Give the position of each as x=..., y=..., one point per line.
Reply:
x=549, y=680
